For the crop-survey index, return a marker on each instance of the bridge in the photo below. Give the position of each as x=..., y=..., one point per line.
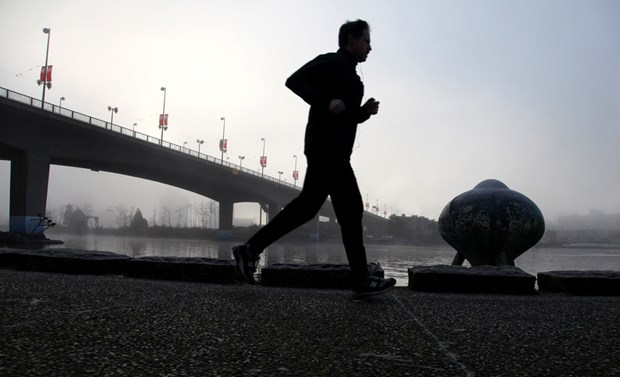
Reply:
x=34, y=135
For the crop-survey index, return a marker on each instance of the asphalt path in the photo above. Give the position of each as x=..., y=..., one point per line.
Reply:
x=86, y=325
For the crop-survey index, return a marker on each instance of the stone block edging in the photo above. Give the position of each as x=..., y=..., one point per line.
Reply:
x=438, y=278
x=107, y=263
x=580, y=283
x=477, y=279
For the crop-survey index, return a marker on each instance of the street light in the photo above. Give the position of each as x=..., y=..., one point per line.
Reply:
x=280, y=175
x=163, y=119
x=295, y=172
x=112, y=110
x=134, y=129
x=223, y=142
x=241, y=158
x=263, y=159
x=46, y=79
x=200, y=142
x=184, y=144
x=60, y=104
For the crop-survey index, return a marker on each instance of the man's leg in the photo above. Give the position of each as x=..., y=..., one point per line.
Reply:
x=297, y=212
x=348, y=204
x=349, y=207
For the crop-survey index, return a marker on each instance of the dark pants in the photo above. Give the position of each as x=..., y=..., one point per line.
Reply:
x=323, y=178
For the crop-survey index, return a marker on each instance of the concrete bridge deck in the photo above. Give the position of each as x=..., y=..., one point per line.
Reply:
x=33, y=137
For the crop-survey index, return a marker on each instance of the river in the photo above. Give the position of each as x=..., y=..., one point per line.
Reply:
x=395, y=259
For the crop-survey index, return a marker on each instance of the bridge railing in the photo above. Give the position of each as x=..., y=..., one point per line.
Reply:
x=22, y=98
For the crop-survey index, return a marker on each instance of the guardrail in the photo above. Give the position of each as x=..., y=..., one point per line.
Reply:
x=22, y=98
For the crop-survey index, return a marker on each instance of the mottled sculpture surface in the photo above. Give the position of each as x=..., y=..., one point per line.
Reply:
x=491, y=225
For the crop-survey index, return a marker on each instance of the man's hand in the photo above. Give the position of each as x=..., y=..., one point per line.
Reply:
x=336, y=106
x=371, y=106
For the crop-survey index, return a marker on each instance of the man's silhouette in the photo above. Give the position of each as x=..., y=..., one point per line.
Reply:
x=330, y=85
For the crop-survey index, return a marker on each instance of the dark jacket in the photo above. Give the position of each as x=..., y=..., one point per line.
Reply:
x=327, y=77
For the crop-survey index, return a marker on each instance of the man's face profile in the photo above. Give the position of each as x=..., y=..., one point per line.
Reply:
x=359, y=47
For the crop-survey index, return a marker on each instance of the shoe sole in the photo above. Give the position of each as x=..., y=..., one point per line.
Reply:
x=361, y=296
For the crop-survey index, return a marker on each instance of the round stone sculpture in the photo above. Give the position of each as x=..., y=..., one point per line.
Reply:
x=491, y=225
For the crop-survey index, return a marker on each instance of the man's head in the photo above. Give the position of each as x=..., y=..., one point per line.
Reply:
x=354, y=36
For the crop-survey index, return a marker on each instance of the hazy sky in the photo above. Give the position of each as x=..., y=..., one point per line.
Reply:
x=527, y=92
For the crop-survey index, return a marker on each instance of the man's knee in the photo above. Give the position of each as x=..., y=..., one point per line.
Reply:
x=305, y=208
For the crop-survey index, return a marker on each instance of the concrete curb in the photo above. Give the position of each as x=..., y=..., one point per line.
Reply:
x=477, y=279
x=580, y=283
x=441, y=278
x=70, y=261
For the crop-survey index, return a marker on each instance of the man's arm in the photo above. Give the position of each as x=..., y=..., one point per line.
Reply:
x=304, y=82
x=371, y=107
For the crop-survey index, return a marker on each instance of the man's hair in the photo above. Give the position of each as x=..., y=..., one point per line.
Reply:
x=355, y=28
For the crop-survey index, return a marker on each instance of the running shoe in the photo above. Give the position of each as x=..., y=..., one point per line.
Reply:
x=373, y=286
x=246, y=262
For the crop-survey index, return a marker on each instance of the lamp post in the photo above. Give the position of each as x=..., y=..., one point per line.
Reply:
x=223, y=143
x=263, y=159
x=241, y=158
x=60, y=104
x=134, y=129
x=45, y=81
x=163, y=122
x=184, y=144
x=295, y=172
x=280, y=175
x=112, y=110
x=200, y=142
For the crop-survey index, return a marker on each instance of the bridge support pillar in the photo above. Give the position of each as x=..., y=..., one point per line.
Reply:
x=226, y=219
x=272, y=210
x=29, y=181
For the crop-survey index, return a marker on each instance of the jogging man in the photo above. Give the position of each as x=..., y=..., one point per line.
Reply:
x=330, y=85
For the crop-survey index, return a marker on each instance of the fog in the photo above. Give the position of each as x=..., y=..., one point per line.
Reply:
x=525, y=92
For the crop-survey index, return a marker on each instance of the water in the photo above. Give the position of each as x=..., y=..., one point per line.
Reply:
x=395, y=259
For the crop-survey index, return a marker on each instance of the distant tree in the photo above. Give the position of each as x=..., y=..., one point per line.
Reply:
x=203, y=212
x=166, y=217
x=179, y=216
x=138, y=222
x=416, y=229
x=397, y=226
x=78, y=221
x=122, y=214
x=67, y=215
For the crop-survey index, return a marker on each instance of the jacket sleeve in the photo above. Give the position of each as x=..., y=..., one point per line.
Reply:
x=363, y=115
x=306, y=81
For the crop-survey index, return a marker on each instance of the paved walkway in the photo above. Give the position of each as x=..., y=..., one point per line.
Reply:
x=79, y=325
